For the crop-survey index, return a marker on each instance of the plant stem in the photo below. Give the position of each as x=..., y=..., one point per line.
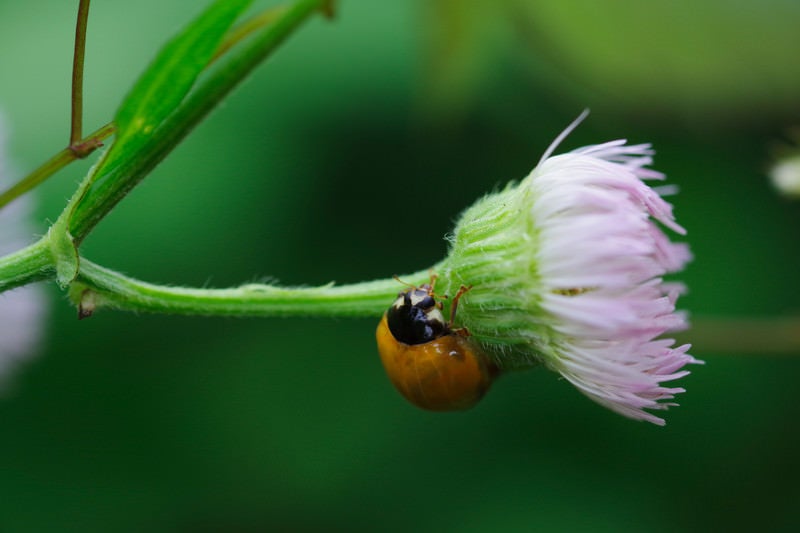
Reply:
x=111, y=187
x=100, y=287
x=34, y=263
x=77, y=75
x=54, y=164
x=743, y=336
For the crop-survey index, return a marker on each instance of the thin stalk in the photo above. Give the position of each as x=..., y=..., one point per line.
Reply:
x=76, y=123
x=763, y=336
x=98, y=287
x=55, y=163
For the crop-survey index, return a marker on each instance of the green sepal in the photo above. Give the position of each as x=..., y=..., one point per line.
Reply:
x=64, y=253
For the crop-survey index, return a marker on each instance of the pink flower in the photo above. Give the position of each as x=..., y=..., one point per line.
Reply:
x=567, y=270
x=602, y=257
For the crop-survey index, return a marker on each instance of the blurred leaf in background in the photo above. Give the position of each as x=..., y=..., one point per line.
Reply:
x=132, y=423
x=716, y=58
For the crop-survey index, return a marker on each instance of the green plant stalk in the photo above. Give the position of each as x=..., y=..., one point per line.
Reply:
x=97, y=287
x=754, y=335
x=109, y=189
x=33, y=263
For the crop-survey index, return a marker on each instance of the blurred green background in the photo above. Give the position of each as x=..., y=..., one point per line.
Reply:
x=314, y=171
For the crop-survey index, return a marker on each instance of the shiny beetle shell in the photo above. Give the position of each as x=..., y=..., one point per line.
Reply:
x=432, y=365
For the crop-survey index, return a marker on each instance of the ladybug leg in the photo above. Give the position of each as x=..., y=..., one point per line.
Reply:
x=429, y=287
x=456, y=298
x=432, y=284
x=463, y=332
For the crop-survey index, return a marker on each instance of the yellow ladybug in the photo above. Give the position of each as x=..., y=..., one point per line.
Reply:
x=433, y=365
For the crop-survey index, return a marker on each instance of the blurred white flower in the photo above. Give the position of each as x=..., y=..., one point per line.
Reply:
x=785, y=175
x=22, y=310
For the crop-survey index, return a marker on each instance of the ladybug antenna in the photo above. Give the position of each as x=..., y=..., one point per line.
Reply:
x=427, y=286
x=397, y=279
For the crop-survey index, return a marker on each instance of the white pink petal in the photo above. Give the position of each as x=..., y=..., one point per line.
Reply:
x=601, y=257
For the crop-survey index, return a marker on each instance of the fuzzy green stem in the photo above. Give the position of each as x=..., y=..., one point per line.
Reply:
x=98, y=287
x=34, y=263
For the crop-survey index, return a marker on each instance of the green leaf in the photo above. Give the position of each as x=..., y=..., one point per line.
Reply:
x=115, y=176
x=170, y=77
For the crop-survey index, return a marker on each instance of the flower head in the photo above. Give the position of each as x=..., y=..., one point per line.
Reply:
x=785, y=175
x=567, y=270
x=21, y=310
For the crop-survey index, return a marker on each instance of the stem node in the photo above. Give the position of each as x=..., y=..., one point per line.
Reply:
x=84, y=148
